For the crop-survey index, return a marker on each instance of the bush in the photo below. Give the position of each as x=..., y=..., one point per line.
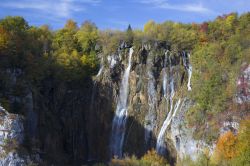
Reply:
x=151, y=158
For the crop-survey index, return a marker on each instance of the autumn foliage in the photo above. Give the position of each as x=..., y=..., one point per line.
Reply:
x=226, y=146
x=234, y=149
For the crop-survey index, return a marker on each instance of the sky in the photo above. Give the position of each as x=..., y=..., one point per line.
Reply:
x=117, y=14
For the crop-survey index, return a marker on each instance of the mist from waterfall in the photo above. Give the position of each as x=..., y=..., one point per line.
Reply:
x=121, y=113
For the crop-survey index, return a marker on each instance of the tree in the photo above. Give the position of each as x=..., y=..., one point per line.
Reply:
x=226, y=147
x=65, y=40
x=14, y=43
x=87, y=36
x=4, y=38
x=71, y=25
x=130, y=35
x=243, y=144
x=150, y=29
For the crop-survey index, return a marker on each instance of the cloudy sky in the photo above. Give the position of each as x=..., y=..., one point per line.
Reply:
x=117, y=14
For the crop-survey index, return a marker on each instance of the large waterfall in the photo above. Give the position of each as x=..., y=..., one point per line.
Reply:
x=121, y=113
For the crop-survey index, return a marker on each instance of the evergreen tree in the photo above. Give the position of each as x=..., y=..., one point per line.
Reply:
x=129, y=35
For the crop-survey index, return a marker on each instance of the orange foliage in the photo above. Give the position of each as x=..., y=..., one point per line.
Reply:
x=226, y=146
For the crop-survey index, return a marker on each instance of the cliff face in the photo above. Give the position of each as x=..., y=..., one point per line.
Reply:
x=157, y=76
x=70, y=123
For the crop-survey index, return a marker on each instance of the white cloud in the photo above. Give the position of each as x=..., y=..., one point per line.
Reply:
x=163, y=4
x=56, y=8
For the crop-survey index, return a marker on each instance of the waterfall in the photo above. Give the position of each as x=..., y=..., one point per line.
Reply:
x=160, y=145
x=112, y=61
x=150, y=117
x=120, y=118
x=165, y=77
x=101, y=68
x=188, y=67
x=172, y=91
x=189, y=74
x=100, y=71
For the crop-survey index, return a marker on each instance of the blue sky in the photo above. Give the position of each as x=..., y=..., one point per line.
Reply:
x=117, y=14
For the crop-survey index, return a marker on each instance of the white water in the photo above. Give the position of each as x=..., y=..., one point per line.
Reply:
x=100, y=71
x=119, y=121
x=188, y=67
x=189, y=74
x=165, y=77
x=112, y=61
x=172, y=91
x=160, y=145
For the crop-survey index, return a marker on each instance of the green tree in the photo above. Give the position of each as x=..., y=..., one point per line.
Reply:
x=87, y=37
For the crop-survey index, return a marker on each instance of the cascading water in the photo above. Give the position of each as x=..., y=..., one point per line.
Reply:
x=188, y=67
x=189, y=73
x=160, y=145
x=100, y=71
x=120, y=118
x=112, y=60
x=165, y=77
x=150, y=117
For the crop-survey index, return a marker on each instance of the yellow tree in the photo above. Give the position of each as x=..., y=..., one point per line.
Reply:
x=226, y=147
